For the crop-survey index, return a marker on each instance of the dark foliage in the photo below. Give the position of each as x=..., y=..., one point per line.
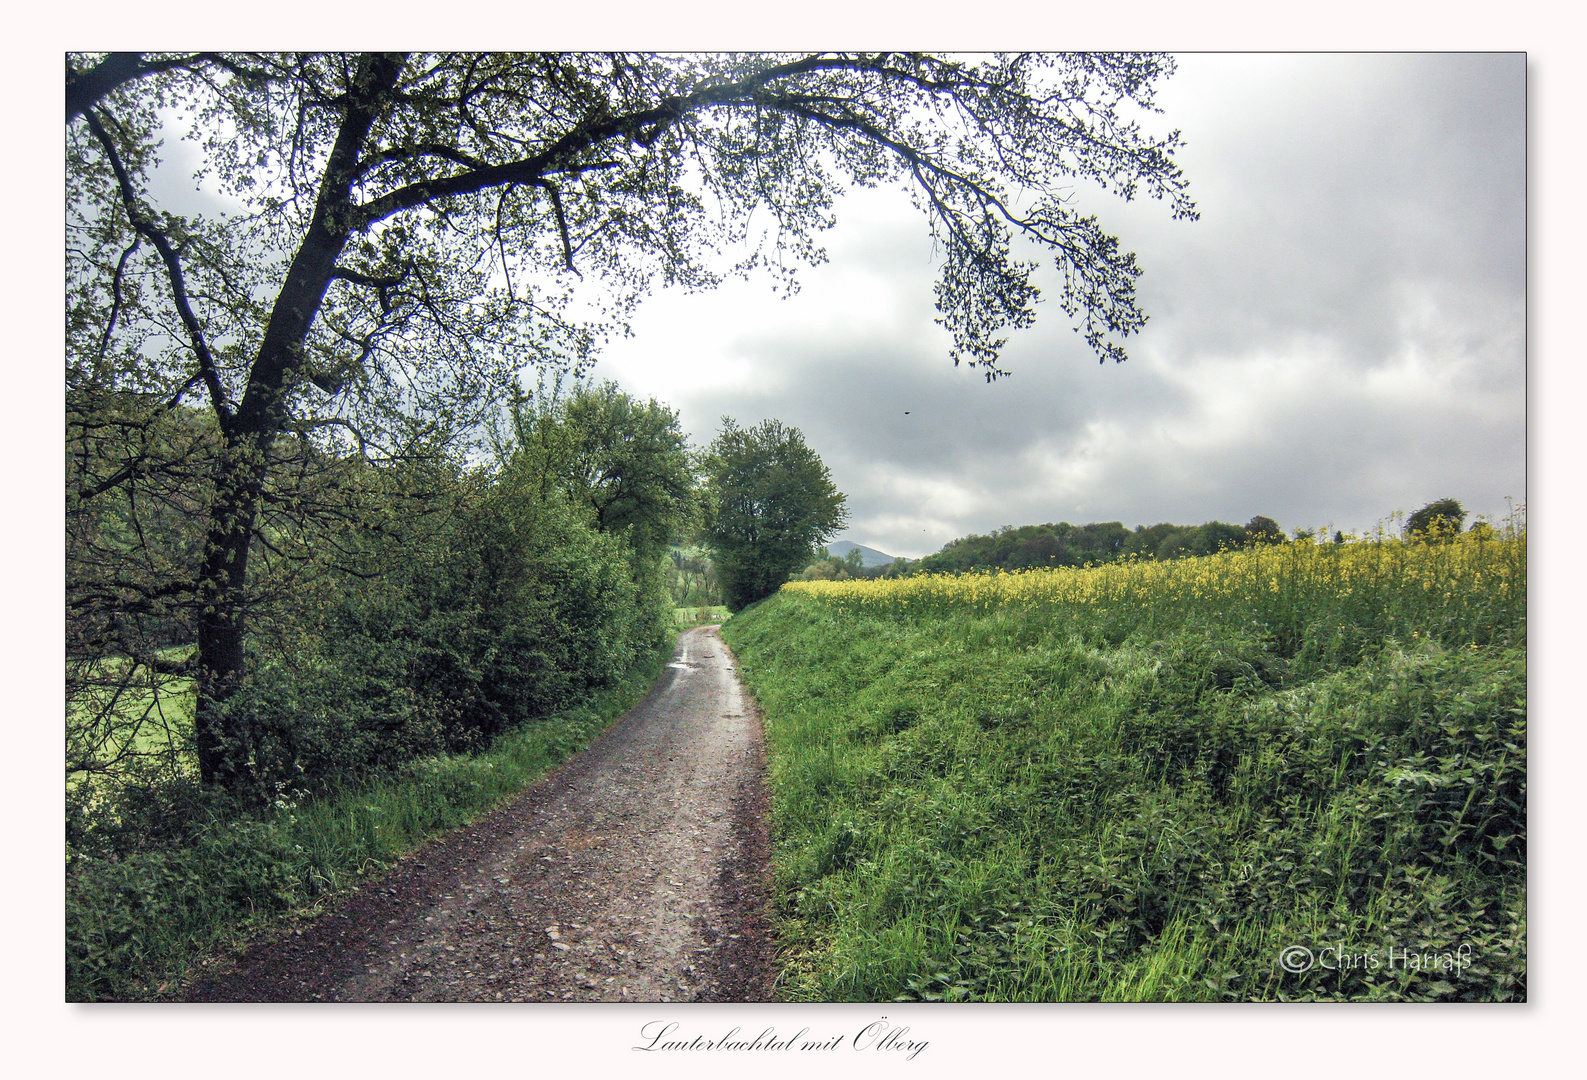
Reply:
x=1063, y=544
x=1440, y=518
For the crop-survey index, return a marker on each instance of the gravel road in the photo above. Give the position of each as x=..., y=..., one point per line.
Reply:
x=636, y=871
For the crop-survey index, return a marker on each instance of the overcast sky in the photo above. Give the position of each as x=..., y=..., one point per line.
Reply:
x=1341, y=335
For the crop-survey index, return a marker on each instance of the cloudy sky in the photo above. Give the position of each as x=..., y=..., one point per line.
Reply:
x=1341, y=335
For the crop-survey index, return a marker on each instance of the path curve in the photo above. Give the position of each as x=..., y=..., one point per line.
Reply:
x=635, y=871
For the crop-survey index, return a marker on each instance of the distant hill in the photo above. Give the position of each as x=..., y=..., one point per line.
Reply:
x=868, y=556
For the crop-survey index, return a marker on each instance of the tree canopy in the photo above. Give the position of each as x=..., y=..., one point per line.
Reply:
x=1264, y=530
x=396, y=236
x=625, y=460
x=771, y=503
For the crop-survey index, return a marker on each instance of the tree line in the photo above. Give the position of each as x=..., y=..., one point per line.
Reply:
x=1063, y=544
x=409, y=606
x=1028, y=547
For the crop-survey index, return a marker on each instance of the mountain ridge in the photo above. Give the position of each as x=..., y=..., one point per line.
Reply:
x=869, y=556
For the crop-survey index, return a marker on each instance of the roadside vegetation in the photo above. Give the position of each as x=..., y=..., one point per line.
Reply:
x=192, y=873
x=1147, y=780
x=427, y=635
x=427, y=640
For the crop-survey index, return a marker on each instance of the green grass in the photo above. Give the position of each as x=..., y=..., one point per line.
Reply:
x=137, y=923
x=1048, y=805
x=685, y=617
x=114, y=716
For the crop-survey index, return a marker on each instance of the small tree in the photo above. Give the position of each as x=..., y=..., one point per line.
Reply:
x=1263, y=530
x=772, y=502
x=1442, y=518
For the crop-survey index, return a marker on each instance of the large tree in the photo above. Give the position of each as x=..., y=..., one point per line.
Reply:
x=771, y=503
x=395, y=236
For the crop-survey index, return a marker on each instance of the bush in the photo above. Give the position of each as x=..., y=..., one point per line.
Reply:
x=1438, y=519
x=527, y=609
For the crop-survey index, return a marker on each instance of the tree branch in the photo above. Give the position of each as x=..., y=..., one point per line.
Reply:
x=115, y=294
x=173, y=268
x=303, y=426
x=642, y=127
x=562, y=221
x=85, y=89
x=404, y=153
x=381, y=285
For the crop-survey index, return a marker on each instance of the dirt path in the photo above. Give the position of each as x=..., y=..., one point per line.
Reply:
x=634, y=872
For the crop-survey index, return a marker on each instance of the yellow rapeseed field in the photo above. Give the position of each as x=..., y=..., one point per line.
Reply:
x=1426, y=582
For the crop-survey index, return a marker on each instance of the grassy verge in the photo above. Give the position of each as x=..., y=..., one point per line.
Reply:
x=1129, y=798
x=137, y=924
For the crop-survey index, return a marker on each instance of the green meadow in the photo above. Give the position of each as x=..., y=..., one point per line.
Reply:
x=685, y=617
x=1290, y=774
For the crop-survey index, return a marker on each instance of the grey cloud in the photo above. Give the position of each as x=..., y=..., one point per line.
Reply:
x=1342, y=334
x=1351, y=179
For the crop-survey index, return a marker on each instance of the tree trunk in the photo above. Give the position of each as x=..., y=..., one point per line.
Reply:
x=223, y=589
x=223, y=737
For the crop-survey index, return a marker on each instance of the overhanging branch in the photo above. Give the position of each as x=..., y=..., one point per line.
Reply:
x=85, y=89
